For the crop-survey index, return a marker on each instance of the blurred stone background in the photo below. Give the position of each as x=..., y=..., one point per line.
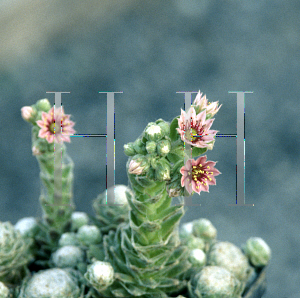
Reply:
x=149, y=50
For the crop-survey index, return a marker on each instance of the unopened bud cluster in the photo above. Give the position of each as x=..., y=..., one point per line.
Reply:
x=148, y=153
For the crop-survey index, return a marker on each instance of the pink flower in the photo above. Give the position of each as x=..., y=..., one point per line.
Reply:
x=26, y=112
x=194, y=129
x=135, y=167
x=201, y=103
x=47, y=125
x=198, y=174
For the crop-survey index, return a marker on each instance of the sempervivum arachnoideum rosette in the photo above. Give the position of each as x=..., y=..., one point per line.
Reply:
x=14, y=253
x=108, y=217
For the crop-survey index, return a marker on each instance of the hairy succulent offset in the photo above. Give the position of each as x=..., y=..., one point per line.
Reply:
x=79, y=219
x=4, y=291
x=215, y=282
x=68, y=256
x=100, y=275
x=54, y=283
x=110, y=216
x=258, y=251
x=27, y=226
x=229, y=256
x=14, y=253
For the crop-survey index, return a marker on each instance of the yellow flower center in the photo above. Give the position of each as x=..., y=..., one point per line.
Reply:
x=200, y=175
x=192, y=136
x=52, y=127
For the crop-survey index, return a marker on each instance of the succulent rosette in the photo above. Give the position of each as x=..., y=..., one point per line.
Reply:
x=54, y=283
x=108, y=217
x=14, y=253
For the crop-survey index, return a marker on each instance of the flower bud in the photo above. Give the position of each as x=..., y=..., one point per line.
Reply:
x=175, y=192
x=210, y=145
x=128, y=149
x=88, y=235
x=203, y=228
x=43, y=105
x=212, y=109
x=27, y=113
x=165, y=126
x=139, y=147
x=100, y=275
x=151, y=147
x=27, y=226
x=258, y=251
x=214, y=281
x=153, y=132
x=197, y=258
x=79, y=219
x=138, y=165
x=68, y=238
x=162, y=171
x=163, y=147
x=67, y=256
x=4, y=291
x=36, y=151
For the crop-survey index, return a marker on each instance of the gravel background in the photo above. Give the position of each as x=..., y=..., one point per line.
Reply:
x=149, y=50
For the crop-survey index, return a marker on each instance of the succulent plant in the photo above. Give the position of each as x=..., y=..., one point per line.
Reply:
x=146, y=254
x=215, y=282
x=258, y=251
x=79, y=219
x=68, y=256
x=229, y=256
x=100, y=275
x=27, y=226
x=197, y=258
x=14, y=253
x=4, y=290
x=68, y=238
x=110, y=216
x=54, y=283
x=132, y=250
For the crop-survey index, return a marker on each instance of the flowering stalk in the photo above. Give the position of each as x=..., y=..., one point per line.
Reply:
x=57, y=217
x=146, y=253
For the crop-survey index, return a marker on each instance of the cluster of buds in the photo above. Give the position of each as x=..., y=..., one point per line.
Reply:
x=149, y=152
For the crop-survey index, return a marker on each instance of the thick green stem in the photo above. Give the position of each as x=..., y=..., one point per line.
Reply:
x=56, y=202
